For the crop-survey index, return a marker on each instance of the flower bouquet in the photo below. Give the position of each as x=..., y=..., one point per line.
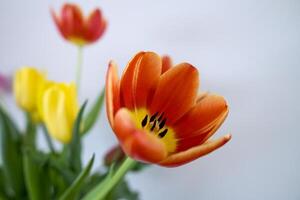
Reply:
x=154, y=109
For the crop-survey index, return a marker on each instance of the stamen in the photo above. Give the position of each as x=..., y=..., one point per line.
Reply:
x=162, y=134
x=162, y=124
x=153, y=126
x=160, y=117
x=153, y=117
x=145, y=120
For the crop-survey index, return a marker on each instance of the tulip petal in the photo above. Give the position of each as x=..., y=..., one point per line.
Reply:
x=127, y=83
x=201, y=96
x=176, y=92
x=139, y=79
x=201, y=117
x=137, y=143
x=58, y=24
x=195, y=140
x=95, y=26
x=55, y=115
x=72, y=21
x=112, y=92
x=194, y=153
x=27, y=83
x=72, y=105
x=166, y=64
x=146, y=77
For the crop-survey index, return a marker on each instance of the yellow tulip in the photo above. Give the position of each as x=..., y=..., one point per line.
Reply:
x=59, y=108
x=28, y=82
x=47, y=84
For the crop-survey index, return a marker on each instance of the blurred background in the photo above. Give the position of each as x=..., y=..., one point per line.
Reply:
x=247, y=51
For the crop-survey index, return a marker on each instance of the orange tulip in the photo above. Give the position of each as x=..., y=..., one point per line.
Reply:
x=77, y=29
x=157, y=115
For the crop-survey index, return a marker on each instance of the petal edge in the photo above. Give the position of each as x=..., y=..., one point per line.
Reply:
x=194, y=153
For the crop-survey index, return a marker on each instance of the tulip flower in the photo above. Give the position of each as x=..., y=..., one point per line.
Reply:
x=27, y=84
x=59, y=108
x=156, y=114
x=77, y=29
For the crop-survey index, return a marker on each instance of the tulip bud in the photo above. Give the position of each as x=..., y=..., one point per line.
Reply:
x=115, y=154
x=27, y=83
x=59, y=107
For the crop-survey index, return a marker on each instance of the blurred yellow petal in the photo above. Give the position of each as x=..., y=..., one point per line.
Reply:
x=27, y=83
x=47, y=84
x=59, y=109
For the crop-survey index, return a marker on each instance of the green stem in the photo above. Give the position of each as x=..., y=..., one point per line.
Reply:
x=30, y=135
x=79, y=66
x=102, y=189
x=48, y=139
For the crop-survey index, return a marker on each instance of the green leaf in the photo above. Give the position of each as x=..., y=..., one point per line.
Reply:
x=48, y=138
x=92, y=181
x=93, y=114
x=11, y=155
x=122, y=191
x=58, y=183
x=36, y=176
x=100, y=191
x=72, y=192
x=74, y=148
x=61, y=176
x=62, y=169
x=139, y=166
x=91, y=195
x=30, y=134
x=14, y=132
x=3, y=188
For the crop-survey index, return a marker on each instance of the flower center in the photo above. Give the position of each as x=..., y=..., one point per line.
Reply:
x=155, y=124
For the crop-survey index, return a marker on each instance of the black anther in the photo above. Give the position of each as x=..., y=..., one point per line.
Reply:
x=162, y=134
x=145, y=120
x=153, y=117
x=153, y=126
x=162, y=124
x=160, y=117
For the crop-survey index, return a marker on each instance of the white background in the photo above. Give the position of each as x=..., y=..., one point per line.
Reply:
x=248, y=51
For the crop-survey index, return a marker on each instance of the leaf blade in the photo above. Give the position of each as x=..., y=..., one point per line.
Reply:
x=35, y=177
x=93, y=114
x=75, y=187
x=74, y=148
x=11, y=155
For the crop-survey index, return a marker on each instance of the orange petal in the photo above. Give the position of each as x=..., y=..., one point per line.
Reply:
x=146, y=77
x=166, y=64
x=72, y=20
x=126, y=81
x=112, y=91
x=95, y=26
x=201, y=96
x=201, y=117
x=136, y=143
x=194, y=153
x=191, y=141
x=176, y=92
x=140, y=79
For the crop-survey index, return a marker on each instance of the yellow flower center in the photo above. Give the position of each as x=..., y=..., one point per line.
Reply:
x=78, y=41
x=156, y=125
